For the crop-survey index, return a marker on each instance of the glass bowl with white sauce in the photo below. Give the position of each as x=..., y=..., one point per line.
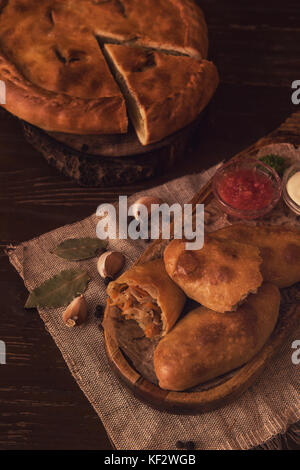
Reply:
x=291, y=188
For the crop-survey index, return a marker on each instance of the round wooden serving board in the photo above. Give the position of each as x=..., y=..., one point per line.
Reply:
x=225, y=389
x=210, y=396
x=109, y=160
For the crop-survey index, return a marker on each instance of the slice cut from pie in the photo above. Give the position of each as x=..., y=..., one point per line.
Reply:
x=163, y=92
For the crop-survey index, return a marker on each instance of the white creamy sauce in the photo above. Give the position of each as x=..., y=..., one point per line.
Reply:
x=293, y=187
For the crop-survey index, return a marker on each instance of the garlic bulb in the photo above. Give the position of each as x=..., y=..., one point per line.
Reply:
x=146, y=201
x=76, y=313
x=110, y=263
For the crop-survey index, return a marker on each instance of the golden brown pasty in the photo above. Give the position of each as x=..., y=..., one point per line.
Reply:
x=205, y=344
x=146, y=294
x=219, y=276
x=279, y=248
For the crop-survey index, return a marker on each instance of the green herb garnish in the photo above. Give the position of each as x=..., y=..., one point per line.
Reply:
x=276, y=162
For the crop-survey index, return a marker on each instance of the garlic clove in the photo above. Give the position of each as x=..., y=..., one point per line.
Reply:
x=76, y=313
x=146, y=201
x=110, y=263
x=70, y=323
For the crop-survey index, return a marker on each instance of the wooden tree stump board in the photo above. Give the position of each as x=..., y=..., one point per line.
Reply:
x=232, y=385
x=110, y=160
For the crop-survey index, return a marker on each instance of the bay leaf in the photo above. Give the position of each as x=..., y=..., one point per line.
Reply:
x=59, y=290
x=77, y=249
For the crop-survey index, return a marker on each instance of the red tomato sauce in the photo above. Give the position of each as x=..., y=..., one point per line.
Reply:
x=246, y=189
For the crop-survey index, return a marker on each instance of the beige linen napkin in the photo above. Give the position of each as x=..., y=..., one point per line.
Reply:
x=266, y=409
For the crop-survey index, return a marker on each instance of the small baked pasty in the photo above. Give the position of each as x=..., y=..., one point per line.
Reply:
x=146, y=294
x=205, y=344
x=219, y=276
x=279, y=248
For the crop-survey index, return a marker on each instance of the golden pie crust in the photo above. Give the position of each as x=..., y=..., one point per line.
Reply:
x=52, y=61
x=162, y=102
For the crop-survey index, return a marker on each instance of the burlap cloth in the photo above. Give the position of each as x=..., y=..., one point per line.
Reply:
x=268, y=408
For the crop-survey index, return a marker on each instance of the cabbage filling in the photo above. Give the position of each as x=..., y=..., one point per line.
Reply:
x=136, y=304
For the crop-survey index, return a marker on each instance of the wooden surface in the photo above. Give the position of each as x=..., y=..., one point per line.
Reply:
x=256, y=47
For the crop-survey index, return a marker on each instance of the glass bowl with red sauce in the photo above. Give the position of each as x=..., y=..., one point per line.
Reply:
x=247, y=188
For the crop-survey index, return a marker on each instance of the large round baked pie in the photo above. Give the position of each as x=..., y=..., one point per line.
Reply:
x=79, y=66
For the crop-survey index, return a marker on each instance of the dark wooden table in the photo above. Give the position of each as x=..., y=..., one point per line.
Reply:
x=256, y=47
